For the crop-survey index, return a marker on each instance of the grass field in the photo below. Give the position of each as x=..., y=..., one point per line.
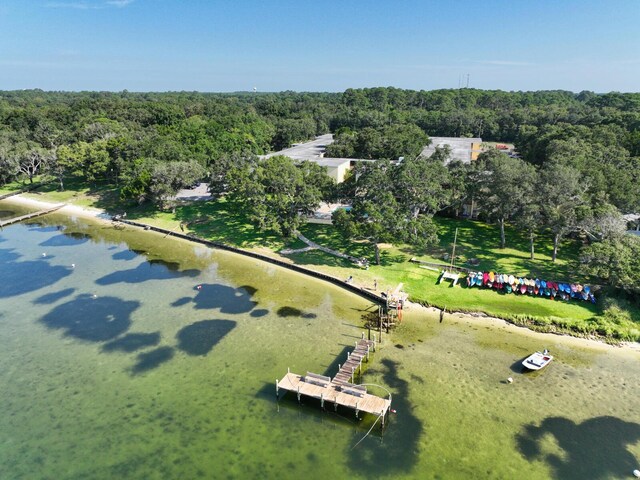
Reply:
x=223, y=221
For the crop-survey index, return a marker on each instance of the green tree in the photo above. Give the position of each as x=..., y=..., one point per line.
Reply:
x=376, y=215
x=136, y=180
x=563, y=193
x=421, y=183
x=222, y=167
x=31, y=162
x=87, y=160
x=505, y=185
x=528, y=217
x=614, y=261
x=167, y=178
x=278, y=193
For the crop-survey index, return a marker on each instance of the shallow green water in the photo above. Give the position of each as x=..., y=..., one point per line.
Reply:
x=120, y=367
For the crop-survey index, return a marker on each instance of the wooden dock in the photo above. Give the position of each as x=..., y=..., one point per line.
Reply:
x=28, y=216
x=340, y=390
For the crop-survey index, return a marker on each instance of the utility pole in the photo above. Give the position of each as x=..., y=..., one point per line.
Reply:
x=468, y=80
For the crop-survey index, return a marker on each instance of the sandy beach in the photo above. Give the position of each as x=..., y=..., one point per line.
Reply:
x=71, y=210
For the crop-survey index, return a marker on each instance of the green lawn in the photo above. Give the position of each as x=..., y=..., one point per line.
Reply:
x=77, y=192
x=223, y=221
x=481, y=241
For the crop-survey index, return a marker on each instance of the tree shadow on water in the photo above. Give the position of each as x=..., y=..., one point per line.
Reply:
x=199, y=338
x=284, y=312
x=399, y=453
x=53, y=297
x=125, y=255
x=144, y=272
x=132, y=342
x=39, y=227
x=66, y=240
x=28, y=276
x=228, y=299
x=93, y=319
x=152, y=359
x=594, y=449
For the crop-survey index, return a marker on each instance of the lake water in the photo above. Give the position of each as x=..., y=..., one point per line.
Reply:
x=114, y=364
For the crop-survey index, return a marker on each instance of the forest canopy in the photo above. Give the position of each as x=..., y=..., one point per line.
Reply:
x=577, y=167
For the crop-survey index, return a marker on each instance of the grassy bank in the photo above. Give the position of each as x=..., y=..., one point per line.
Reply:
x=223, y=221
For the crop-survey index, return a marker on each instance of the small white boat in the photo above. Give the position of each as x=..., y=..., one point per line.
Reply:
x=537, y=360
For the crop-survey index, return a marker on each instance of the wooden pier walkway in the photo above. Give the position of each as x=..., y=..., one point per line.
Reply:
x=28, y=216
x=340, y=391
x=346, y=372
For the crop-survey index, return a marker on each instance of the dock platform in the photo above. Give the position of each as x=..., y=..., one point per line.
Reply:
x=340, y=390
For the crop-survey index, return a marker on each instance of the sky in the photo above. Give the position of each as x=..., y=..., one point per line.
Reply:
x=307, y=45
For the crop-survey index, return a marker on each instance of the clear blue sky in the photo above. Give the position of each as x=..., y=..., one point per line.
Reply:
x=306, y=45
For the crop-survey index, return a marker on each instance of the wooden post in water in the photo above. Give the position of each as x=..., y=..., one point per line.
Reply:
x=277, y=388
x=298, y=393
x=322, y=401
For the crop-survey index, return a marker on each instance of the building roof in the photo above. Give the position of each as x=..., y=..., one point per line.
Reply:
x=306, y=151
x=461, y=147
x=314, y=152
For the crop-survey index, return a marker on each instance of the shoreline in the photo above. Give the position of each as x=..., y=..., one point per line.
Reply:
x=71, y=210
x=103, y=216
